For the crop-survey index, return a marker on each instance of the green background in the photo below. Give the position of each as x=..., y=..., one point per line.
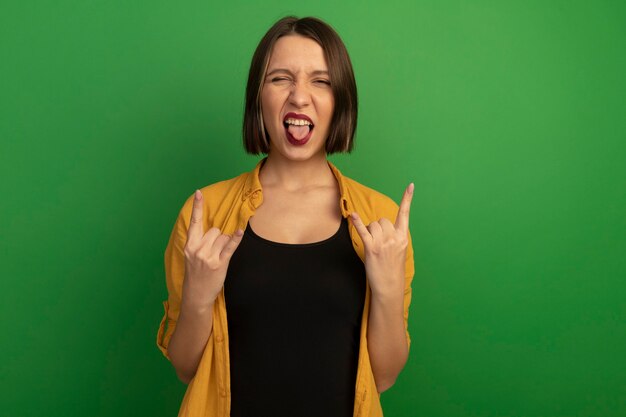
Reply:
x=508, y=116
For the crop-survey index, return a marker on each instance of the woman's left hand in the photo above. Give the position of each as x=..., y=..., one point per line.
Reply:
x=385, y=249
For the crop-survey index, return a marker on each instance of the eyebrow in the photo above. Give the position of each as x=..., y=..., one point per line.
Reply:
x=313, y=73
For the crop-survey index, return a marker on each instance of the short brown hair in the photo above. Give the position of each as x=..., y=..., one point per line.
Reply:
x=343, y=84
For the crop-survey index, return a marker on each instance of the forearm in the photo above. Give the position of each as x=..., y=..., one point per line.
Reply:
x=185, y=349
x=386, y=339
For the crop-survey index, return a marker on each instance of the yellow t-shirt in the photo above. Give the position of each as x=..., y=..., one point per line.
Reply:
x=228, y=205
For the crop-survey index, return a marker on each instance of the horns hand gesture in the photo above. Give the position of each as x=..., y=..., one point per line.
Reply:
x=385, y=249
x=206, y=258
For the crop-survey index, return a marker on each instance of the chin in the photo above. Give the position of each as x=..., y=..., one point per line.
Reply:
x=297, y=155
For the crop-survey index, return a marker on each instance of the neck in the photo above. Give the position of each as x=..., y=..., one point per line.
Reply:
x=294, y=175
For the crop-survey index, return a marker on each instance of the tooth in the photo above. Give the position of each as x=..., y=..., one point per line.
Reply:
x=297, y=122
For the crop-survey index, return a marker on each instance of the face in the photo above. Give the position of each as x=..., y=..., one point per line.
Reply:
x=296, y=99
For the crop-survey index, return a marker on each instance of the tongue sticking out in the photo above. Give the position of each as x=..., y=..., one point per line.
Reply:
x=299, y=132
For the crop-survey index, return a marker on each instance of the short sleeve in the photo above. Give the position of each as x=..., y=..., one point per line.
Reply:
x=174, y=274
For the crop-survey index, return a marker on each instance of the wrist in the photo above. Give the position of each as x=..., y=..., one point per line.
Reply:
x=390, y=299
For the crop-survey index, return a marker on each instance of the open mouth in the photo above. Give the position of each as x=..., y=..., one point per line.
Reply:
x=298, y=128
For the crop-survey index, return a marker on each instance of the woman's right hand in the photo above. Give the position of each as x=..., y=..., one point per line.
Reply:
x=207, y=256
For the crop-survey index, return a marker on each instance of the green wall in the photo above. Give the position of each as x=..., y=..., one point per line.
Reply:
x=508, y=116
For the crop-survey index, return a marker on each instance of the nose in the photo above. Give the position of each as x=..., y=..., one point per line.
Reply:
x=299, y=96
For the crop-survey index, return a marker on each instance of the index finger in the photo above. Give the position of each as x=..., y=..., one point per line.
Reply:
x=195, y=224
x=402, y=220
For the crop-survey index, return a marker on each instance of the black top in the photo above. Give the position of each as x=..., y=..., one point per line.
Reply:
x=294, y=317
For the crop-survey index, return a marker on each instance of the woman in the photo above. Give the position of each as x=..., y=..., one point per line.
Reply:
x=317, y=302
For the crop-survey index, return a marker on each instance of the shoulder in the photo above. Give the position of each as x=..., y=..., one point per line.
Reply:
x=218, y=196
x=219, y=191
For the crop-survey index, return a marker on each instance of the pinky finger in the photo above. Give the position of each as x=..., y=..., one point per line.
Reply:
x=361, y=229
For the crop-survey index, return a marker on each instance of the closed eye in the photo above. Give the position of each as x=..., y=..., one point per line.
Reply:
x=279, y=79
